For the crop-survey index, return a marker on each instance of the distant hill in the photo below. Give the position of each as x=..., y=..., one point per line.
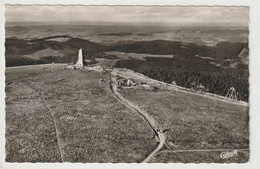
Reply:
x=19, y=47
x=25, y=52
x=222, y=50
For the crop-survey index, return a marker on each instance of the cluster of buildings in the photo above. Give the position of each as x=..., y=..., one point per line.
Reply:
x=126, y=82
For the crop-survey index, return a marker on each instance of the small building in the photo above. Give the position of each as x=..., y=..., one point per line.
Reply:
x=232, y=94
x=173, y=83
x=201, y=88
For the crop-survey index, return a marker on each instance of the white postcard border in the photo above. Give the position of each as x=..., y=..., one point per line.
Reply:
x=254, y=45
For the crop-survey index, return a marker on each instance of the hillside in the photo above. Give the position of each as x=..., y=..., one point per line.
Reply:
x=70, y=116
x=217, y=68
x=19, y=47
x=193, y=123
x=221, y=50
x=190, y=72
x=73, y=115
x=22, y=52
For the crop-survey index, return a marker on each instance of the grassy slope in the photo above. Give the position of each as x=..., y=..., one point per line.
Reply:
x=194, y=122
x=93, y=126
x=30, y=132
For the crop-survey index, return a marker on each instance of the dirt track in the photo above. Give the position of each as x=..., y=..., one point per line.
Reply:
x=152, y=122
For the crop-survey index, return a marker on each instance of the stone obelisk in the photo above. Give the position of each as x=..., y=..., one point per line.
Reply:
x=80, y=59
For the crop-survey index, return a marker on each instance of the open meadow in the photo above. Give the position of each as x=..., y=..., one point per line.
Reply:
x=198, y=128
x=70, y=115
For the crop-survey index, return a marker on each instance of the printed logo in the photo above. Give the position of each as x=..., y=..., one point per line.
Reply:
x=228, y=154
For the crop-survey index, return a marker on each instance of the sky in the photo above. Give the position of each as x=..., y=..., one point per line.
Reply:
x=129, y=14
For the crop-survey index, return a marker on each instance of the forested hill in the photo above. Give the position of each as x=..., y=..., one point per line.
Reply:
x=16, y=48
x=191, y=71
x=221, y=50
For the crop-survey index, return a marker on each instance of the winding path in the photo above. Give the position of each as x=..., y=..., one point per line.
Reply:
x=152, y=122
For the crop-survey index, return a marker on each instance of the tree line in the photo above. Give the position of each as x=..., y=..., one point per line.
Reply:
x=214, y=81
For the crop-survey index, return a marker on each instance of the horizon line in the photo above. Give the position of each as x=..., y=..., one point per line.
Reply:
x=204, y=24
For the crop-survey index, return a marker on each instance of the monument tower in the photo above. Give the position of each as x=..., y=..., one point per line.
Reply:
x=80, y=61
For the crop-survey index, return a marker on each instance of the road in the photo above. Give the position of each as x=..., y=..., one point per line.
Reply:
x=152, y=122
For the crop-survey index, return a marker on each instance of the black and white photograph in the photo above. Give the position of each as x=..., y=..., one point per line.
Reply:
x=126, y=84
